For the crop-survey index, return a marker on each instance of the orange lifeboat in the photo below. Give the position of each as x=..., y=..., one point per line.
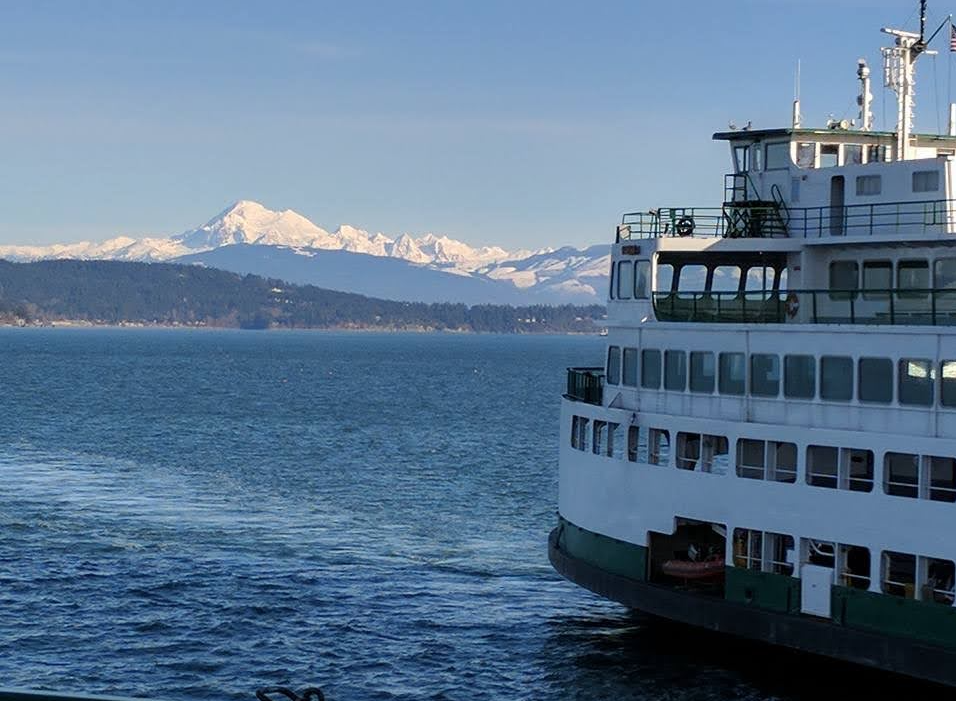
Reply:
x=685, y=569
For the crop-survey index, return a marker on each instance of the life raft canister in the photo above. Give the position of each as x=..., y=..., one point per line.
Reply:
x=793, y=305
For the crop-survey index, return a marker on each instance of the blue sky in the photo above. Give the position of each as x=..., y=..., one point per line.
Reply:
x=521, y=123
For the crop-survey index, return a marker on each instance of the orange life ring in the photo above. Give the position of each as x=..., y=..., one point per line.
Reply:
x=793, y=305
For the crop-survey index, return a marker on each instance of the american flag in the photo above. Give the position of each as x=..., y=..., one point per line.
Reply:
x=952, y=37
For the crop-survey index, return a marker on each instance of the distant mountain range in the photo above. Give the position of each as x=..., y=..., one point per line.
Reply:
x=251, y=239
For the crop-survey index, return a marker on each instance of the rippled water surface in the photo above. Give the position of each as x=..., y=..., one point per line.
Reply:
x=195, y=514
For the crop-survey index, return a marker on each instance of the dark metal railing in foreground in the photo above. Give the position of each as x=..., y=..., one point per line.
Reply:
x=878, y=218
x=933, y=307
x=585, y=385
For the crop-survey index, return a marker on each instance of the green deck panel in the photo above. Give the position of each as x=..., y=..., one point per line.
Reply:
x=606, y=553
x=883, y=613
x=765, y=590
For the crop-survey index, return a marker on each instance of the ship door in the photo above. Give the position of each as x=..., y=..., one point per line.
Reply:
x=837, y=199
x=815, y=584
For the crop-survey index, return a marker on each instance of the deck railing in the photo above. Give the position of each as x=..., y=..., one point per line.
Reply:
x=933, y=307
x=586, y=385
x=878, y=218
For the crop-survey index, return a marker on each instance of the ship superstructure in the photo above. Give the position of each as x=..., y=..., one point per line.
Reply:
x=770, y=447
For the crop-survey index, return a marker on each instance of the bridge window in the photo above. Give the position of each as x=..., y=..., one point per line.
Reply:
x=800, y=380
x=877, y=279
x=665, y=277
x=733, y=373
x=836, y=378
x=741, y=159
x=947, y=385
x=916, y=383
x=651, y=369
x=625, y=279
x=899, y=574
x=702, y=372
x=876, y=380
x=852, y=154
x=614, y=365
x=806, y=155
x=778, y=155
x=867, y=185
x=693, y=278
x=926, y=181
x=726, y=278
x=642, y=279
x=829, y=155
x=675, y=370
x=764, y=375
x=629, y=378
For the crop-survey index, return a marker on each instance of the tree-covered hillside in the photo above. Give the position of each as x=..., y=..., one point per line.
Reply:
x=109, y=292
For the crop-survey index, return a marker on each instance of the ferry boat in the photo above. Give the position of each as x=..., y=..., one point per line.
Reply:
x=770, y=448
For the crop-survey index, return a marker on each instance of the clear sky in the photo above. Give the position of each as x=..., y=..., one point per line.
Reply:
x=520, y=122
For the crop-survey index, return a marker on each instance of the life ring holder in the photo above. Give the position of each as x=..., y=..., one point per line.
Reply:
x=684, y=226
x=793, y=305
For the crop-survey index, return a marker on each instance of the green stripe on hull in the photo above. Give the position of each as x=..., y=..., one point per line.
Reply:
x=609, y=554
x=882, y=613
x=765, y=590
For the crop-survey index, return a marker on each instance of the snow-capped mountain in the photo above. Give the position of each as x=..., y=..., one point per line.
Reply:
x=564, y=275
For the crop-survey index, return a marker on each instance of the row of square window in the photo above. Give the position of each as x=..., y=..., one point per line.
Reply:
x=904, y=474
x=915, y=379
x=901, y=574
x=911, y=274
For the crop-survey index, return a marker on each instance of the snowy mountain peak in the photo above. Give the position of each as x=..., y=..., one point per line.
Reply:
x=249, y=222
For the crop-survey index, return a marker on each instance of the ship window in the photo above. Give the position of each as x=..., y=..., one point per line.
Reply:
x=675, y=370
x=768, y=460
x=733, y=373
x=938, y=587
x=633, y=442
x=782, y=462
x=942, y=479
x=693, y=278
x=947, y=386
x=819, y=552
x=642, y=279
x=917, y=379
x=859, y=470
x=658, y=446
x=778, y=155
x=912, y=275
x=759, y=279
x=665, y=277
x=852, y=154
x=704, y=452
x=769, y=552
x=867, y=185
x=806, y=155
x=750, y=459
x=836, y=378
x=844, y=275
x=579, y=432
x=799, y=379
x=822, y=466
x=899, y=574
x=756, y=157
x=877, y=279
x=876, y=380
x=854, y=566
x=764, y=375
x=875, y=154
x=613, y=440
x=944, y=270
x=748, y=549
x=702, y=372
x=614, y=365
x=901, y=475
x=926, y=181
x=629, y=378
x=741, y=158
x=600, y=444
x=651, y=369
x=625, y=279
x=726, y=278
x=829, y=155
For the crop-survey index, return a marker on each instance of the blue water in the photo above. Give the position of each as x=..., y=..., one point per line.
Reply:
x=195, y=514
